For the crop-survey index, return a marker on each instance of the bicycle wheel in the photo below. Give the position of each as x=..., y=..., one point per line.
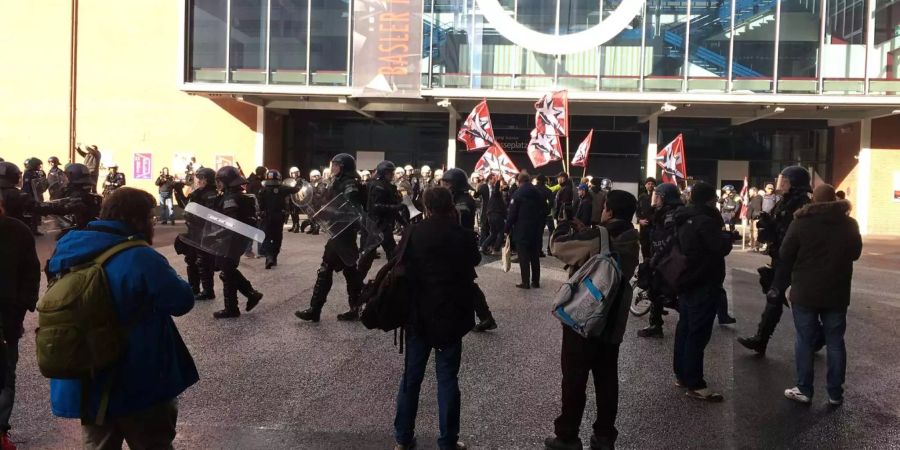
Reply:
x=640, y=304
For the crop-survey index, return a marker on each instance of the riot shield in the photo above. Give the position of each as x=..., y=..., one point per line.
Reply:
x=39, y=186
x=218, y=234
x=57, y=183
x=342, y=220
x=304, y=198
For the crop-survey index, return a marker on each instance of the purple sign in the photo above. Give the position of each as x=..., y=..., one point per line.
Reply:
x=143, y=166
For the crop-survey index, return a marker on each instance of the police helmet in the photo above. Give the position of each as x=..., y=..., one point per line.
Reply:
x=314, y=173
x=53, y=160
x=346, y=162
x=426, y=170
x=33, y=164
x=728, y=188
x=294, y=172
x=79, y=175
x=260, y=171
x=606, y=184
x=205, y=173
x=798, y=177
x=273, y=178
x=9, y=175
x=230, y=177
x=458, y=180
x=383, y=168
x=669, y=193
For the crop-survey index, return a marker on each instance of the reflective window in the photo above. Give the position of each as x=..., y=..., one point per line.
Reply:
x=754, y=45
x=798, y=46
x=538, y=70
x=844, y=52
x=287, y=58
x=247, y=49
x=886, y=74
x=328, y=43
x=579, y=71
x=666, y=43
x=207, y=40
x=709, y=45
x=450, y=44
x=496, y=61
x=620, y=58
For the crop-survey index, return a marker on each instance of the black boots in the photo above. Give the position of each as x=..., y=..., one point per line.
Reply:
x=486, y=325
x=756, y=343
x=227, y=313
x=309, y=314
x=350, y=316
x=253, y=300
x=651, y=331
x=205, y=295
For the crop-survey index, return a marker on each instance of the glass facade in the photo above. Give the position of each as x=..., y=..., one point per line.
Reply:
x=698, y=46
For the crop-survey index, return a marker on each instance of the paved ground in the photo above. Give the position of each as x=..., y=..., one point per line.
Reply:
x=271, y=382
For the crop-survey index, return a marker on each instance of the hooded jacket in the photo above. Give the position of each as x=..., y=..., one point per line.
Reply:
x=146, y=291
x=527, y=215
x=818, y=250
x=704, y=244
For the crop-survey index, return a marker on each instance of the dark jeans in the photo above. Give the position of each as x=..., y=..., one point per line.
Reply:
x=833, y=325
x=152, y=428
x=482, y=310
x=722, y=309
x=772, y=312
x=578, y=358
x=657, y=302
x=697, y=312
x=495, y=239
x=529, y=261
x=446, y=364
x=551, y=227
x=8, y=393
x=646, y=246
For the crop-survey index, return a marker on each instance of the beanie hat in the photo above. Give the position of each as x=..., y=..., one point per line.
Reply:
x=702, y=193
x=824, y=193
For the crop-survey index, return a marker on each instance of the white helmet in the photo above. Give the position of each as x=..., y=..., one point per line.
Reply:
x=326, y=173
x=365, y=174
x=409, y=169
x=314, y=173
x=399, y=172
x=425, y=170
x=438, y=173
x=293, y=171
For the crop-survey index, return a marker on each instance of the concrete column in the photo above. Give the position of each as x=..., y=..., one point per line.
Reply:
x=863, y=176
x=260, y=135
x=652, y=145
x=451, y=139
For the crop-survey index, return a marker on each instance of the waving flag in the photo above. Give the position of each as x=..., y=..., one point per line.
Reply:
x=543, y=149
x=744, y=200
x=671, y=160
x=495, y=160
x=477, y=132
x=552, y=114
x=581, y=155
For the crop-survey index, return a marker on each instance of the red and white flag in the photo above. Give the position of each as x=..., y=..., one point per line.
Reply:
x=543, y=149
x=581, y=155
x=671, y=160
x=745, y=202
x=477, y=132
x=552, y=114
x=495, y=160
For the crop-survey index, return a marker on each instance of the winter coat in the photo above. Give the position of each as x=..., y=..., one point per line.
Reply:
x=165, y=183
x=441, y=256
x=91, y=158
x=496, y=205
x=564, y=200
x=818, y=250
x=547, y=194
x=754, y=206
x=644, y=209
x=624, y=240
x=584, y=213
x=704, y=244
x=527, y=215
x=483, y=194
x=465, y=207
x=156, y=366
x=599, y=202
x=20, y=275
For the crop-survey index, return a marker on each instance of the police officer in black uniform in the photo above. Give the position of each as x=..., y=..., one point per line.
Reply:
x=666, y=202
x=344, y=180
x=235, y=204
x=34, y=183
x=56, y=179
x=457, y=181
x=273, y=205
x=79, y=202
x=201, y=266
x=772, y=229
x=114, y=180
x=385, y=208
x=294, y=209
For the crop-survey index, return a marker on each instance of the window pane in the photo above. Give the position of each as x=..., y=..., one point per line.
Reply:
x=710, y=34
x=620, y=58
x=666, y=43
x=887, y=48
x=287, y=58
x=578, y=71
x=538, y=69
x=207, y=40
x=798, y=51
x=328, y=48
x=844, y=53
x=754, y=45
x=495, y=59
x=450, y=44
x=248, y=41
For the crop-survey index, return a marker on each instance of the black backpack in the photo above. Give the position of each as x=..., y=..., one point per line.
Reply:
x=386, y=299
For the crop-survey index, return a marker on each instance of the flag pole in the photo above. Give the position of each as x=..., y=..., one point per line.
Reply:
x=568, y=160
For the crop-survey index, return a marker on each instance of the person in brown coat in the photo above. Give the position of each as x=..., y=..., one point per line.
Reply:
x=819, y=249
x=92, y=160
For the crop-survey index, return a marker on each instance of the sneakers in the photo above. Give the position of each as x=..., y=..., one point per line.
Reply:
x=205, y=295
x=253, y=300
x=755, y=343
x=309, y=315
x=486, y=325
x=227, y=314
x=555, y=443
x=409, y=446
x=350, y=316
x=835, y=401
x=5, y=442
x=705, y=394
x=523, y=286
x=797, y=396
x=651, y=332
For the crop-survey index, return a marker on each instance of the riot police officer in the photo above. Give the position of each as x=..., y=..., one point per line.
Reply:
x=457, y=182
x=56, y=179
x=341, y=251
x=235, y=204
x=16, y=203
x=385, y=208
x=34, y=183
x=201, y=266
x=666, y=201
x=320, y=187
x=273, y=204
x=795, y=180
x=294, y=209
x=82, y=205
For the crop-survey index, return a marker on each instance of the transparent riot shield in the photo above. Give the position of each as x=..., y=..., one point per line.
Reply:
x=218, y=234
x=346, y=225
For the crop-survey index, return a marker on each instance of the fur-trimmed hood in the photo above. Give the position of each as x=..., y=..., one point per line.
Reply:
x=839, y=207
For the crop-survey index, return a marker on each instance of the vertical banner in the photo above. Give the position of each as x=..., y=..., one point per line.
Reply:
x=387, y=48
x=143, y=166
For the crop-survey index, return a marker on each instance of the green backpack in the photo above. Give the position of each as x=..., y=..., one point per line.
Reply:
x=78, y=331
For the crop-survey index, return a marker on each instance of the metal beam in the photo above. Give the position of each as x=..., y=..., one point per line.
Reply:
x=761, y=114
x=354, y=106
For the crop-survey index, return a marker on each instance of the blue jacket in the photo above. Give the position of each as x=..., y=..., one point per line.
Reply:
x=157, y=366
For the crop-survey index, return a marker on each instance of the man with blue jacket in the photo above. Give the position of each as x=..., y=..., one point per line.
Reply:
x=156, y=366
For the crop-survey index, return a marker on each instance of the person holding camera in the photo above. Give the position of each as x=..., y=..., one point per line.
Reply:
x=166, y=184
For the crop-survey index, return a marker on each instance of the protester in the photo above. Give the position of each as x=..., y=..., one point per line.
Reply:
x=599, y=188
x=645, y=215
x=483, y=195
x=166, y=184
x=754, y=209
x=496, y=211
x=92, y=158
x=600, y=355
x=565, y=197
x=156, y=366
x=818, y=252
x=547, y=194
x=20, y=276
x=443, y=305
x=702, y=241
x=666, y=203
x=583, y=213
x=525, y=224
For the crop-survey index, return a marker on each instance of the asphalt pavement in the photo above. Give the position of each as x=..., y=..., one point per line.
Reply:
x=269, y=381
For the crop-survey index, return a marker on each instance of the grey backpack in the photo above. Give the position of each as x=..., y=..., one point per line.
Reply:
x=583, y=303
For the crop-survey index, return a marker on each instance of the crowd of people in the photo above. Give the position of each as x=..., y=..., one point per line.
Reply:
x=673, y=241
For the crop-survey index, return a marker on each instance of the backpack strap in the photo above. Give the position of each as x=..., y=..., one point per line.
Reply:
x=115, y=249
x=604, y=241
